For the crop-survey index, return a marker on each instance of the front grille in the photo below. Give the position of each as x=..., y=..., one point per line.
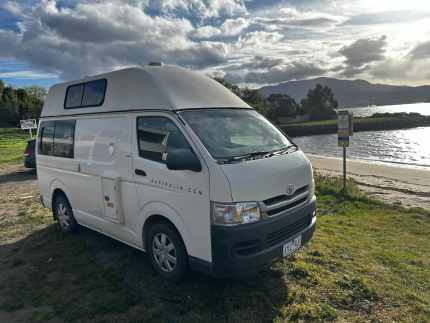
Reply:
x=280, y=203
x=246, y=248
x=287, y=231
x=284, y=197
x=286, y=207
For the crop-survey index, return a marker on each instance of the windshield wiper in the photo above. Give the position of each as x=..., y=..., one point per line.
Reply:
x=244, y=157
x=260, y=154
x=284, y=150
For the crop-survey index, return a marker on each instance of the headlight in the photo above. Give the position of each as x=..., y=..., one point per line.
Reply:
x=312, y=189
x=235, y=213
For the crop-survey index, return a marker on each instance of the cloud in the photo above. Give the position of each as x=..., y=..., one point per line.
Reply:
x=396, y=70
x=421, y=51
x=290, y=17
x=258, y=42
x=27, y=74
x=230, y=27
x=108, y=22
x=256, y=5
x=199, y=9
x=295, y=70
x=387, y=17
x=96, y=37
x=361, y=53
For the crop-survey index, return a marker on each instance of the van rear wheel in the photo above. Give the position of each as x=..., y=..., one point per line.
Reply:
x=167, y=252
x=63, y=212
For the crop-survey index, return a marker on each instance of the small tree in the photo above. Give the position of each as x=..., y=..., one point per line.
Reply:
x=1, y=88
x=21, y=103
x=233, y=88
x=320, y=103
x=36, y=95
x=281, y=105
x=254, y=99
x=8, y=106
x=250, y=96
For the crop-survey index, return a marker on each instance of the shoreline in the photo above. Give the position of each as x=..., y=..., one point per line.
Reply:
x=372, y=162
x=406, y=186
x=380, y=123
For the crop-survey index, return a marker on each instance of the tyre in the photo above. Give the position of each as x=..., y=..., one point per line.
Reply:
x=63, y=213
x=167, y=251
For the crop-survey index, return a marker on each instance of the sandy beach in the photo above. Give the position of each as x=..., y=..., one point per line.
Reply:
x=409, y=187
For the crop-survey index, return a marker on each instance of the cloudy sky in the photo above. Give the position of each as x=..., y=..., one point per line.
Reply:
x=248, y=42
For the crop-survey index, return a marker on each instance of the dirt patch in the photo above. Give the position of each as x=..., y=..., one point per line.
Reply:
x=18, y=194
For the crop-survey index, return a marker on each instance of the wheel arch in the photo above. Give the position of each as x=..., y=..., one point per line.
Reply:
x=57, y=187
x=163, y=213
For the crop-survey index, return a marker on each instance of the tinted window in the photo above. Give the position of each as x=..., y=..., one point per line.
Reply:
x=57, y=138
x=94, y=93
x=46, y=146
x=89, y=94
x=74, y=96
x=156, y=136
x=64, y=138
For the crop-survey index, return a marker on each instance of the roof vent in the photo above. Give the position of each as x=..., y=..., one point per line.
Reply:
x=155, y=64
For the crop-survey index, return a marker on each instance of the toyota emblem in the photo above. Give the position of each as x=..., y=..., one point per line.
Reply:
x=290, y=189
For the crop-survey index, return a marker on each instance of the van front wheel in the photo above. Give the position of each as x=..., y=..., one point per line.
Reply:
x=167, y=252
x=63, y=212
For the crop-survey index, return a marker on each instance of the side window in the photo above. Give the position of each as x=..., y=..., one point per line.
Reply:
x=74, y=96
x=46, y=142
x=57, y=138
x=89, y=94
x=157, y=135
x=64, y=138
x=94, y=93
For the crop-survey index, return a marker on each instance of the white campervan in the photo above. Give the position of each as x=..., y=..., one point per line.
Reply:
x=172, y=163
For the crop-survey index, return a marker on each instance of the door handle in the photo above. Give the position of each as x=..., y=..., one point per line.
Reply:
x=139, y=172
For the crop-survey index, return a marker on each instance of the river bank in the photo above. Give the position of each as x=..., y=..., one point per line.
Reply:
x=383, y=122
x=406, y=186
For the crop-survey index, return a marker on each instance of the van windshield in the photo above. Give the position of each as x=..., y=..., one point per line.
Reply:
x=236, y=134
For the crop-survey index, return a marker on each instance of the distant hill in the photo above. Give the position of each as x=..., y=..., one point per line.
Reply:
x=357, y=93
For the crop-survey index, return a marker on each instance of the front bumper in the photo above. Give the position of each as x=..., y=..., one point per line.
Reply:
x=246, y=249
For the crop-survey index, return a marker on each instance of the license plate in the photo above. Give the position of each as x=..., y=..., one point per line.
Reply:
x=291, y=246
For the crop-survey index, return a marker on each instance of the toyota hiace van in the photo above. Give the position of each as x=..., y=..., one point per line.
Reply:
x=172, y=163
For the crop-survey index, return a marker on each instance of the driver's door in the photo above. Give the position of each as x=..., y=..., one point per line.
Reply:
x=184, y=193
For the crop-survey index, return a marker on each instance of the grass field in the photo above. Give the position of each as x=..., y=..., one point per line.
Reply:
x=367, y=262
x=12, y=145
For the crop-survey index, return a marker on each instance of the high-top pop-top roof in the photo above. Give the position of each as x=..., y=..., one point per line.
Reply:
x=151, y=87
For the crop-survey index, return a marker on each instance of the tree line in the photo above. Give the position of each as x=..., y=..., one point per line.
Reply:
x=20, y=103
x=319, y=104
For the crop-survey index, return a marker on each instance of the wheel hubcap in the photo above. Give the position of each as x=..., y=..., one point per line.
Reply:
x=164, y=252
x=63, y=216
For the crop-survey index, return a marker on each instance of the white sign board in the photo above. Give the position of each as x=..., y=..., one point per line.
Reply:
x=345, y=127
x=28, y=124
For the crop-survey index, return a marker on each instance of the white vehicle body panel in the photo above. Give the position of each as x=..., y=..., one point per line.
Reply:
x=148, y=88
x=261, y=179
x=181, y=196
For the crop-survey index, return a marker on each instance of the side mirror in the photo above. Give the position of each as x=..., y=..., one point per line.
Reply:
x=183, y=159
